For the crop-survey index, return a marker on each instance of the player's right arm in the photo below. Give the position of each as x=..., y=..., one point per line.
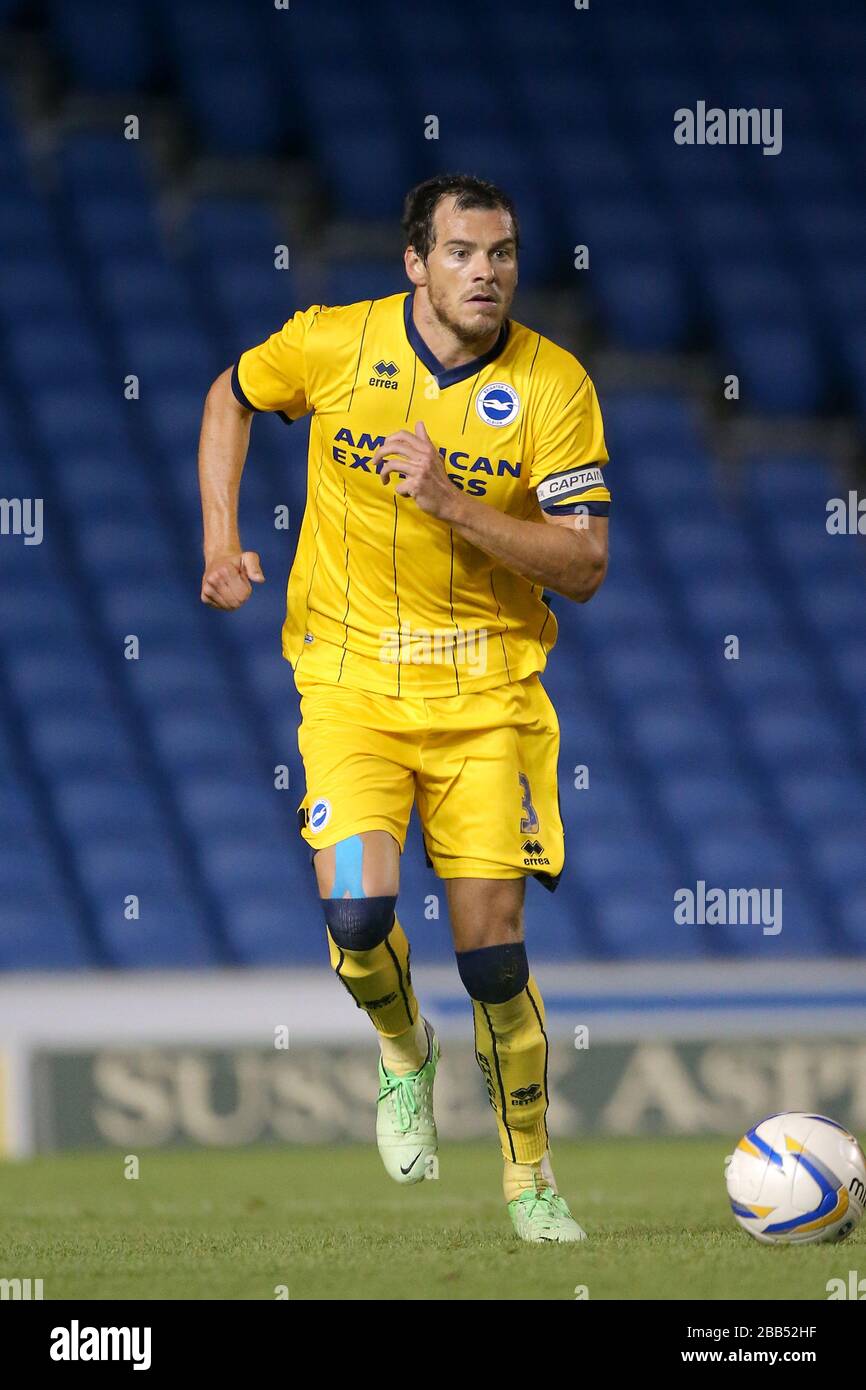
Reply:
x=275, y=377
x=229, y=571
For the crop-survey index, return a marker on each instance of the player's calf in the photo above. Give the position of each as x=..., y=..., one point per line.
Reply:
x=511, y=1049
x=370, y=954
x=368, y=947
x=510, y=1045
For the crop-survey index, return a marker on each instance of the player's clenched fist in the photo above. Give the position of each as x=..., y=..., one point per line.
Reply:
x=228, y=579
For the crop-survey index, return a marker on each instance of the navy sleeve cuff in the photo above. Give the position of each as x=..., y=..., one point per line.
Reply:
x=573, y=508
x=238, y=393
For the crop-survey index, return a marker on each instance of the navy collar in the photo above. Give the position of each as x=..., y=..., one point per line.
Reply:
x=448, y=376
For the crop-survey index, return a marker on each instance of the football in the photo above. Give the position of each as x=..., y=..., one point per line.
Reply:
x=796, y=1178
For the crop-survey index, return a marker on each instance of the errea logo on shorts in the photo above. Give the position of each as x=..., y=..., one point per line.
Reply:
x=497, y=404
x=320, y=814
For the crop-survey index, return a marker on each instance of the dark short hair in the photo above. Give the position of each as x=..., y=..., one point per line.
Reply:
x=469, y=192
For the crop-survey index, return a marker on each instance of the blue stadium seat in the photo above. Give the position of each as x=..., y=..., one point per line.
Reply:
x=116, y=226
x=741, y=855
x=23, y=222
x=91, y=161
x=780, y=367
x=679, y=735
x=357, y=280
x=46, y=937
x=122, y=59
x=820, y=798
x=157, y=290
x=169, y=671
x=849, y=660
x=604, y=856
x=41, y=346
x=853, y=911
x=195, y=738
x=797, y=484
x=35, y=283
x=833, y=604
x=712, y=799
x=77, y=741
x=609, y=801
x=772, y=674
x=169, y=927
x=120, y=548
x=708, y=544
x=235, y=107
x=241, y=862
x=644, y=301
x=266, y=931
x=215, y=803
x=782, y=734
x=639, y=921
x=106, y=802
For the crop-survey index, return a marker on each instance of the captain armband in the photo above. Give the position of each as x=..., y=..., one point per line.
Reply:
x=577, y=490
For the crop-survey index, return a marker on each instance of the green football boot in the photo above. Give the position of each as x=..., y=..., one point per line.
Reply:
x=544, y=1215
x=405, y=1128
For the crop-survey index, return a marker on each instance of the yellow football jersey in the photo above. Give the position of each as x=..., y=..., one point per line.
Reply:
x=383, y=597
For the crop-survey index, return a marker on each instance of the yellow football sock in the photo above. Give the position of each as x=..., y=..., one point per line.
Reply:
x=380, y=982
x=407, y=1051
x=511, y=1050
x=518, y=1177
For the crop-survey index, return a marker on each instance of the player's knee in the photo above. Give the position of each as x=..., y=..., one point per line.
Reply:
x=494, y=974
x=356, y=922
x=359, y=924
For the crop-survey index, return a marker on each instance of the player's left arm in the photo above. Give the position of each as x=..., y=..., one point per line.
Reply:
x=566, y=551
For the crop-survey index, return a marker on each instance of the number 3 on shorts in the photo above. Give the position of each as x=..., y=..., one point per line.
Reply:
x=529, y=822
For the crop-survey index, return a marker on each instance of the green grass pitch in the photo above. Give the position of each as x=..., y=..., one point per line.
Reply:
x=326, y=1223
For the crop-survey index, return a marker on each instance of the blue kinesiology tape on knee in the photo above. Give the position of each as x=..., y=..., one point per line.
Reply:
x=494, y=974
x=348, y=856
x=356, y=923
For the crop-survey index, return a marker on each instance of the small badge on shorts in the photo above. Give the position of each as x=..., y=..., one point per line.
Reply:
x=320, y=814
x=308, y=637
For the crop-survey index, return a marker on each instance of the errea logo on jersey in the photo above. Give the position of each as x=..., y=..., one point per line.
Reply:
x=497, y=404
x=385, y=373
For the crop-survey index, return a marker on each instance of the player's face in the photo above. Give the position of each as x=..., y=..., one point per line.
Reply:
x=471, y=272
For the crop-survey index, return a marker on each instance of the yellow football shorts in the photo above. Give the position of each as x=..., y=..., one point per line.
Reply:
x=481, y=768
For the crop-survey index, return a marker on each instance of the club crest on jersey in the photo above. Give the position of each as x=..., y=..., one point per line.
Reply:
x=497, y=404
x=320, y=814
